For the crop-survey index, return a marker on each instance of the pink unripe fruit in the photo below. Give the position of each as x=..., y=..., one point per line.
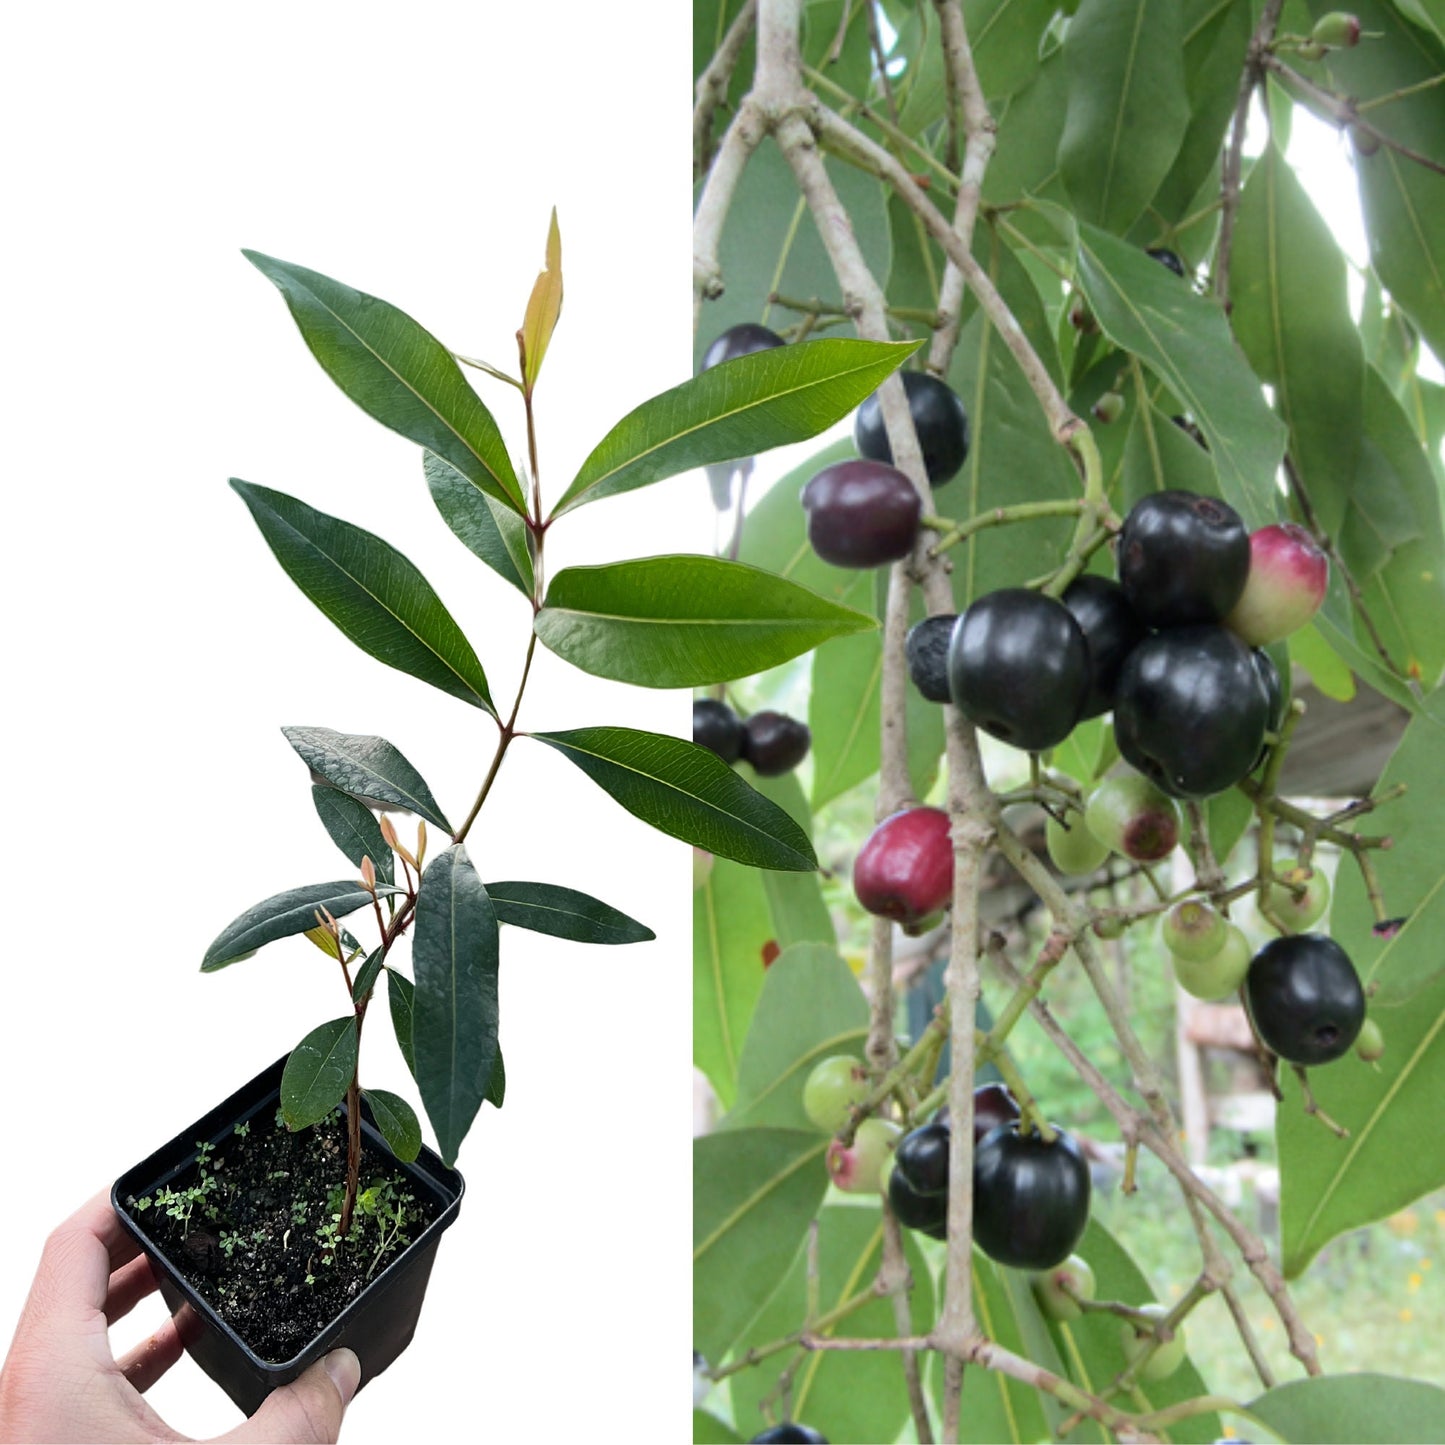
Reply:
x=1288, y=574
x=905, y=869
x=859, y=1168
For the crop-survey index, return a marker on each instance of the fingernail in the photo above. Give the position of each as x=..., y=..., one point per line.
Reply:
x=344, y=1370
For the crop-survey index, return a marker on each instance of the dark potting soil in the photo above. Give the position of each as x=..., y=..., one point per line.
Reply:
x=255, y=1229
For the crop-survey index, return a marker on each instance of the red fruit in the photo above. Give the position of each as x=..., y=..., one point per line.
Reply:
x=1288, y=574
x=905, y=869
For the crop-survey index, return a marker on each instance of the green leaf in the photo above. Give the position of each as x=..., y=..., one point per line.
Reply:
x=318, y=1072
x=544, y=306
x=564, y=913
x=753, y=1193
x=1128, y=107
x=687, y=792
x=795, y=900
x=370, y=591
x=1184, y=339
x=1025, y=164
x=811, y=1007
x=1329, y=673
x=485, y=527
x=1368, y=1408
x=401, y=997
x=744, y=407
x=281, y=916
x=370, y=972
x=397, y=1122
x=1159, y=455
x=354, y=829
x=709, y=1430
x=684, y=621
x=397, y=372
x=454, y=1031
x=497, y=1084
x=366, y=768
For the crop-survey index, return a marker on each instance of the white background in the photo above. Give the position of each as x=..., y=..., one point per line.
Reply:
x=153, y=647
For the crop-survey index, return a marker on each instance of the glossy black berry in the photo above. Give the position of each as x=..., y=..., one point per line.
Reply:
x=1190, y=710
x=775, y=743
x=922, y=1158
x=739, y=340
x=1030, y=1198
x=1018, y=667
x=789, y=1433
x=1183, y=558
x=861, y=514
x=938, y=418
x=718, y=728
x=993, y=1104
x=1166, y=257
x=1112, y=629
x=1305, y=998
x=927, y=1213
x=927, y=650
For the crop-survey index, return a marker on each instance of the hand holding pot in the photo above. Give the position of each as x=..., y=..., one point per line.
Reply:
x=61, y=1380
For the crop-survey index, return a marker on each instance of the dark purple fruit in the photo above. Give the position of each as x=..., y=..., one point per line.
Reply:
x=1111, y=628
x=789, y=1433
x=922, y=1159
x=718, y=728
x=928, y=655
x=927, y=1213
x=738, y=341
x=775, y=743
x=862, y=514
x=938, y=418
x=1191, y=710
x=1183, y=558
x=1030, y=1198
x=993, y=1104
x=1018, y=667
x=1166, y=257
x=1305, y=998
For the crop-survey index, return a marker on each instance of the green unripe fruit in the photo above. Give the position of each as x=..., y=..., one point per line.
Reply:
x=1058, y=1290
x=860, y=1168
x=1298, y=914
x=833, y=1088
x=1166, y=1359
x=1338, y=30
x=1109, y=407
x=1109, y=927
x=1074, y=849
x=1193, y=931
x=1129, y=814
x=1370, y=1045
x=1219, y=976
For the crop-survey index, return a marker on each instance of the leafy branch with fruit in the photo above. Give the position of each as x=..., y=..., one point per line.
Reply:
x=1188, y=477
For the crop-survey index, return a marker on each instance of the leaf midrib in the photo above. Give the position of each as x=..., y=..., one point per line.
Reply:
x=771, y=1183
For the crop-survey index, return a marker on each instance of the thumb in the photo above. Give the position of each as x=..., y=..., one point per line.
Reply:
x=309, y=1411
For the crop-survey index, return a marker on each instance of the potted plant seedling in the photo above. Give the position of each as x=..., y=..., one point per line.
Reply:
x=303, y=1213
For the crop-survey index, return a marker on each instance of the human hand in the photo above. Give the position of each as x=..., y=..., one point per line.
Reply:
x=61, y=1380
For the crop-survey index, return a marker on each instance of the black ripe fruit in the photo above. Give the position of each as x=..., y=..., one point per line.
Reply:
x=789, y=1433
x=1030, y=1198
x=1190, y=711
x=1305, y=998
x=1018, y=667
x=1112, y=629
x=918, y=1184
x=993, y=1104
x=1183, y=558
x=861, y=514
x=938, y=418
x=775, y=743
x=927, y=650
x=718, y=728
x=739, y=341
x=1166, y=257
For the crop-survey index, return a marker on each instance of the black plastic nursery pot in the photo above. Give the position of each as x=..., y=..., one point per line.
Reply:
x=378, y=1323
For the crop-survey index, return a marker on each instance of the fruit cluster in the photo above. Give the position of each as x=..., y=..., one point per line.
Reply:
x=772, y=742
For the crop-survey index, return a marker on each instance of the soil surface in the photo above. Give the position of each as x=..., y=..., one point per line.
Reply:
x=255, y=1229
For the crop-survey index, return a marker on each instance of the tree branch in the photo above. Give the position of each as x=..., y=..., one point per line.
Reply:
x=711, y=91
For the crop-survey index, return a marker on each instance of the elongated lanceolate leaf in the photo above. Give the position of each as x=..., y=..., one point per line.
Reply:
x=1370, y=1408
x=366, y=768
x=687, y=792
x=318, y=1072
x=365, y=980
x=397, y=1122
x=401, y=998
x=454, y=1029
x=564, y=913
x=354, y=829
x=685, y=621
x=497, y=1085
x=485, y=527
x=282, y=915
x=397, y=372
x=544, y=306
x=370, y=591
x=739, y=409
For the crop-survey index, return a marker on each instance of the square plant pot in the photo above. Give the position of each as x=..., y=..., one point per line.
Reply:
x=377, y=1324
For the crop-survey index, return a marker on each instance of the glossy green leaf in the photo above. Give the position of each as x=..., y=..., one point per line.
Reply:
x=318, y=1072
x=752, y=403
x=564, y=913
x=354, y=829
x=685, y=621
x=497, y=1084
x=366, y=768
x=485, y=527
x=370, y=591
x=753, y=1193
x=370, y=971
x=687, y=792
x=795, y=900
x=1183, y=338
x=1128, y=108
x=544, y=306
x=397, y=1122
x=397, y=372
x=1371, y=1409
x=454, y=1030
x=401, y=999
x=281, y=916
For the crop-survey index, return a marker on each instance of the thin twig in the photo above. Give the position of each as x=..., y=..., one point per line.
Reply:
x=711, y=90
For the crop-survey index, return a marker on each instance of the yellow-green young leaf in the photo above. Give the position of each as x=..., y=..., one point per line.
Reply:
x=544, y=306
x=318, y=1072
x=1382, y=1409
x=1327, y=671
